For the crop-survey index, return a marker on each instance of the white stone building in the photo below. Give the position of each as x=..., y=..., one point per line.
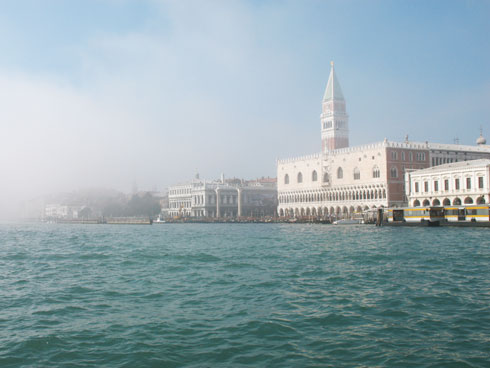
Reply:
x=223, y=198
x=342, y=180
x=457, y=183
x=56, y=211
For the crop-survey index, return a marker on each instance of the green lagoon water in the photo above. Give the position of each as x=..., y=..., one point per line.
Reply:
x=243, y=295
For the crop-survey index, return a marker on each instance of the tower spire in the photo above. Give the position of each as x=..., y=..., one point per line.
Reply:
x=334, y=118
x=333, y=90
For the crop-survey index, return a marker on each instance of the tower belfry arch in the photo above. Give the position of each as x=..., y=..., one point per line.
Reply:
x=334, y=119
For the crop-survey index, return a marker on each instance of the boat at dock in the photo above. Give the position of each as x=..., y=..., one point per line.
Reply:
x=159, y=220
x=463, y=216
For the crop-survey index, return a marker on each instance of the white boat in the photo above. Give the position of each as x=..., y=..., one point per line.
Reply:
x=159, y=220
x=348, y=222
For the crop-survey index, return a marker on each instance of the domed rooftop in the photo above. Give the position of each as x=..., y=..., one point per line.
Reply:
x=481, y=139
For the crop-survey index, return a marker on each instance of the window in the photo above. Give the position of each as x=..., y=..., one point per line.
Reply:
x=468, y=183
x=340, y=173
x=376, y=172
x=357, y=174
x=286, y=179
x=325, y=178
x=436, y=186
x=314, y=176
x=446, y=184
x=394, y=155
x=416, y=187
x=300, y=177
x=456, y=184
x=394, y=172
x=426, y=186
x=480, y=182
x=410, y=155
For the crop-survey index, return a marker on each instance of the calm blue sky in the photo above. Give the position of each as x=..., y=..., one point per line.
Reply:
x=108, y=92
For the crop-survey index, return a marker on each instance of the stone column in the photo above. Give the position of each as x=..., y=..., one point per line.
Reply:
x=217, y=203
x=239, y=201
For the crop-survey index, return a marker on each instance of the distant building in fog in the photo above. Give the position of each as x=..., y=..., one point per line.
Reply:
x=55, y=211
x=223, y=198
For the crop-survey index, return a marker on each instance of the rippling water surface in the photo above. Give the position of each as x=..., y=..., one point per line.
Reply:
x=231, y=295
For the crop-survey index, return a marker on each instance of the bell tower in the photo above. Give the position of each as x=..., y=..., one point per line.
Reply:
x=334, y=118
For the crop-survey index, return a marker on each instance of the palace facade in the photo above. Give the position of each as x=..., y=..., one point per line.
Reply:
x=223, y=198
x=341, y=180
x=457, y=183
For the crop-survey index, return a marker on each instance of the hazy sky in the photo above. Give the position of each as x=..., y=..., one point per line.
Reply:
x=108, y=92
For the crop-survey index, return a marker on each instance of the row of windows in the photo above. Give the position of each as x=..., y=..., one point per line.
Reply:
x=336, y=124
x=180, y=204
x=340, y=175
x=299, y=178
x=442, y=160
x=447, y=202
x=179, y=191
x=457, y=184
x=419, y=156
x=337, y=211
x=376, y=173
x=224, y=199
x=327, y=124
x=334, y=196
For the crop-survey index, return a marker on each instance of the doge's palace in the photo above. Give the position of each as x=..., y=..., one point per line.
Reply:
x=340, y=181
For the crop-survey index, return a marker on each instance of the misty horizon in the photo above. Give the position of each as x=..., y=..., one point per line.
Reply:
x=105, y=94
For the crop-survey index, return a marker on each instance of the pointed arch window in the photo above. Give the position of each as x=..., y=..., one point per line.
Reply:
x=376, y=172
x=286, y=179
x=394, y=172
x=300, y=177
x=340, y=173
x=314, y=176
x=357, y=174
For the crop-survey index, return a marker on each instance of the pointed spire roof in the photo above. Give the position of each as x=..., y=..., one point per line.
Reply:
x=333, y=90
